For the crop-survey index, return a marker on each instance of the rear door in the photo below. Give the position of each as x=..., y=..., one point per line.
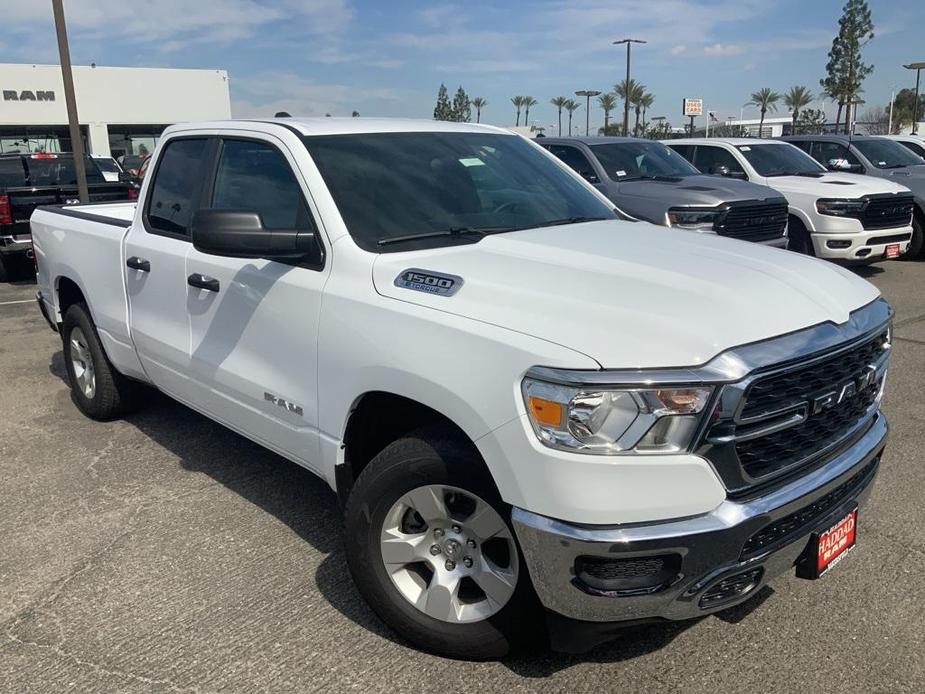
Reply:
x=155, y=265
x=254, y=333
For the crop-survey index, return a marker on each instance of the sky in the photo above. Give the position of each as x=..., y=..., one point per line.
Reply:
x=388, y=58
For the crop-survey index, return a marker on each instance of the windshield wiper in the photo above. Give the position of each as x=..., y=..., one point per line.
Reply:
x=452, y=231
x=567, y=220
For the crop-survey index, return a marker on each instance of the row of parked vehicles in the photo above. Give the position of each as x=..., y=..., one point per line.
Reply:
x=853, y=199
x=539, y=415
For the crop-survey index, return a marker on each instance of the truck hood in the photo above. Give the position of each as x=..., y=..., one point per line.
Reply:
x=697, y=190
x=836, y=185
x=632, y=295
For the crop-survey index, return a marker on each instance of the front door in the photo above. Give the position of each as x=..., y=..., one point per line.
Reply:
x=155, y=266
x=254, y=322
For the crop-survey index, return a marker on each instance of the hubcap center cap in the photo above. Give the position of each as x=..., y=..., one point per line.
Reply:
x=451, y=548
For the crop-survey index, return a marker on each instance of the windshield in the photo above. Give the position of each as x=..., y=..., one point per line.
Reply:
x=626, y=161
x=887, y=154
x=58, y=170
x=780, y=160
x=450, y=186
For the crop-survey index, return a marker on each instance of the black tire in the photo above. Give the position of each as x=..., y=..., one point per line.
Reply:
x=114, y=395
x=798, y=238
x=3, y=270
x=428, y=457
x=918, y=232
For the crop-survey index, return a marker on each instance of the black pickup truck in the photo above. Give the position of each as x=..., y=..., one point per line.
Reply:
x=29, y=180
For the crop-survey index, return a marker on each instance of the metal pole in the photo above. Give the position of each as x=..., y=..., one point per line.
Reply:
x=889, y=127
x=73, y=123
x=587, y=114
x=915, y=104
x=626, y=87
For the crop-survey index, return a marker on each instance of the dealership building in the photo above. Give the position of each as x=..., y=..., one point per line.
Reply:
x=122, y=110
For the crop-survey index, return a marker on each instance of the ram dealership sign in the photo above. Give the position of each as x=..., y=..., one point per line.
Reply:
x=28, y=95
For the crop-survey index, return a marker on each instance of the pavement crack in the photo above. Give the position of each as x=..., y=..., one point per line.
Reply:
x=91, y=468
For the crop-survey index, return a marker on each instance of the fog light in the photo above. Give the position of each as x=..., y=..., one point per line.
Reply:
x=626, y=575
x=838, y=244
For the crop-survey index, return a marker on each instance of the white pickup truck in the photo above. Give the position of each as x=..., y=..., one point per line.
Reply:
x=530, y=408
x=838, y=216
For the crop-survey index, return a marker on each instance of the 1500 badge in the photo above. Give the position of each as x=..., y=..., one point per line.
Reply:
x=429, y=282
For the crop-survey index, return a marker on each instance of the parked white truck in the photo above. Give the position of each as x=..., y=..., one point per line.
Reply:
x=529, y=407
x=837, y=216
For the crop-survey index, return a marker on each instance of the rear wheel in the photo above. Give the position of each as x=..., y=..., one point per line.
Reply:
x=798, y=237
x=98, y=390
x=430, y=548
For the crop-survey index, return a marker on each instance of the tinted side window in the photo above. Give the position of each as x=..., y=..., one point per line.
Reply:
x=256, y=176
x=823, y=152
x=575, y=159
x=914, y=146
x=686, y=151
x=710, y=160
x=177, y=183
x=805, y=145
x=12, y=175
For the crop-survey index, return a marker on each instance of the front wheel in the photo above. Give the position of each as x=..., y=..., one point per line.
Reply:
x=918, y=238
x=798, y=238
x=430, y=547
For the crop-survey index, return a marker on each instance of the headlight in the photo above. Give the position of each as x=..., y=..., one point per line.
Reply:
x=611, y=421
x=692, y=218
x=840, y=208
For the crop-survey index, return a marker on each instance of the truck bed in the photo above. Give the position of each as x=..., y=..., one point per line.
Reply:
x=85, y=243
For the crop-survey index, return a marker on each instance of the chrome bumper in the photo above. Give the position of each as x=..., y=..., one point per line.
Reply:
x=710, y=546
x=12, y=244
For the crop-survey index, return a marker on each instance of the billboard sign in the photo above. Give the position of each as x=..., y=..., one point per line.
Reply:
x=692, y=107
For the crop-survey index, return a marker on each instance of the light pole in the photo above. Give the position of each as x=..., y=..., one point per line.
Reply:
x=915, y=104
x=626, y=99
x=77, y=144
x=587, y=93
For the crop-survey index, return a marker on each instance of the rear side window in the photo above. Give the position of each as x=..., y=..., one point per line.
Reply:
x=255, y=176
x=176, y=187
x=58, y=170
x=823, y=152
x=914, y=147
x=12, y=175
x=712, y=160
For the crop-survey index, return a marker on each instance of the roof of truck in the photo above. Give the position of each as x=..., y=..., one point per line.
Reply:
x=735, y=141
x=345, y=126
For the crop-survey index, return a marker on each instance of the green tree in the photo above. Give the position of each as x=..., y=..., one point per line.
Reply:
x=461, y=111
x=560, y=102
x=479, y=104
x=518, y=102
x=355, y=114
x=903, y=107
x=811, y=121
x=608, y=103
x=636, y=96
x=443, y=110
x=528, y=102
x=625, y=90
x=571, y=106
x=796, y=100
x=646, y=101
x=765, y=99
x=845, y=70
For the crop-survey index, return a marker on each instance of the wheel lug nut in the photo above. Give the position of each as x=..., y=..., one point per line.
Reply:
x=438, y=532
x=457, y=529
x=468, y=562
x=450, y=565
x=471, y=543
x=435, y=550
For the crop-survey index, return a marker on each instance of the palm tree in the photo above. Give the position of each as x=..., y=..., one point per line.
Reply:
x=518, y=102
x=559, y=102
x=636, y=96
x=479, y=104
x=646, y=102
x=796, y=99
x=528, y=102
x=625, y=91
x=571, y=106
x=766, y=100
x=608, y=103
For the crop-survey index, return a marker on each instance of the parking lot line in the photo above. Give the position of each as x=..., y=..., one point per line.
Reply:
x=10, y=303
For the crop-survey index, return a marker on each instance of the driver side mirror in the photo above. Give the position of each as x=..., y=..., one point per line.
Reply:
x=241, y=234
x=590, y=177
x=723, y=170
x=844, y=165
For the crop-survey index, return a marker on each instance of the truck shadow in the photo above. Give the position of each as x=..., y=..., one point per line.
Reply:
x=306, y=504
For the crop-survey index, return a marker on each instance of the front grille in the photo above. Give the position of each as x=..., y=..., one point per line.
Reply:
x=893, y=238
x=799, y=522
x=750, y=221
x=731, y=588
x=887, y=212
x=779, y=391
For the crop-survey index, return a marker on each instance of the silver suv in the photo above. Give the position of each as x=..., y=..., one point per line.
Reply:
x=649, y=181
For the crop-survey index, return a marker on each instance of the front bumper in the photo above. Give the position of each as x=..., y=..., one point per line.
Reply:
x=711, y=548
x=861, y=246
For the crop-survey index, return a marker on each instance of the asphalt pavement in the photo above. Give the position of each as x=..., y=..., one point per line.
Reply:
x=166, y=553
